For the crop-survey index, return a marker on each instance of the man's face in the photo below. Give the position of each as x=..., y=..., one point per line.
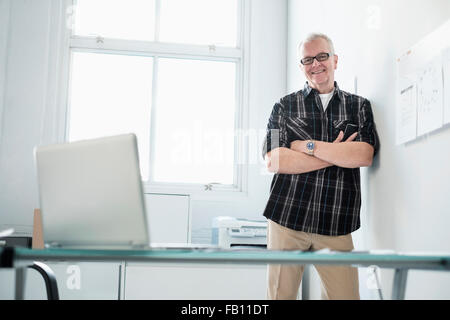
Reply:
x=320, y=75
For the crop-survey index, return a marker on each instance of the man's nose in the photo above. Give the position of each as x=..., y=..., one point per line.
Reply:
x=315, y=62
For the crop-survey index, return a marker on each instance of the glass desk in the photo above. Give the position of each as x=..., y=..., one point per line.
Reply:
x=21, y=258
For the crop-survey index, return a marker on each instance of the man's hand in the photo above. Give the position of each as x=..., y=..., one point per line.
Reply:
x=300, y=145
x=341, y=136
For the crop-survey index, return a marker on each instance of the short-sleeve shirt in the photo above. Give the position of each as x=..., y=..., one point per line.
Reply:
x=325, y=201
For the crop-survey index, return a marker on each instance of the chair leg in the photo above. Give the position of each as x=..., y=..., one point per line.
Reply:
x=49, y=278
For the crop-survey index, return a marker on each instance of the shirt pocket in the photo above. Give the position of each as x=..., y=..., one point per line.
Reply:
x=299, y=128
x=345, y=125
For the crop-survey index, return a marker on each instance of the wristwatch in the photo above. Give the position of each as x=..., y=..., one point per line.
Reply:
x=310, y=147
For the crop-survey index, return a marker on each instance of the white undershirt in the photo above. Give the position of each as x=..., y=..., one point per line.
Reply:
x=326, y=97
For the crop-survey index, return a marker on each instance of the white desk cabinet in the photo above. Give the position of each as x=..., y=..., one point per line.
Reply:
x=168, y=217
x=195, y=281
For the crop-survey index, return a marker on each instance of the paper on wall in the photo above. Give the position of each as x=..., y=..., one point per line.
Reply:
x=446, y=70
x=429, y=97
x=406, y=110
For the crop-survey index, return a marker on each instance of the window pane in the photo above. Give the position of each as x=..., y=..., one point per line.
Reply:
x=195, y=117
x=199, y=22
x=121, y=19
x=111, y=94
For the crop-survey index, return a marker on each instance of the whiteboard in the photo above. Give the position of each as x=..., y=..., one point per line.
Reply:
x=423, y=86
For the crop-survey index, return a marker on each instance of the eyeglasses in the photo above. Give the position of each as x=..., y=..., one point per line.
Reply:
x=320, y=57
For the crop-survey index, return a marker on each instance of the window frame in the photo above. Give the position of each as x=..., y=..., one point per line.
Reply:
x=239, y=55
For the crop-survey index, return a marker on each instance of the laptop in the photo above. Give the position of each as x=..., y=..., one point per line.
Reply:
x=91, y=195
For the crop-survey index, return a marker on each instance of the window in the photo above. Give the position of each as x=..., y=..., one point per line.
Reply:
x=132, y=19
x=170, y=71
x=194, y=120
x=111, y=94
x=199, y=22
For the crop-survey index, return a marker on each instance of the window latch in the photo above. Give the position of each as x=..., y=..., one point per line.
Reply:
x=212, y=48
x=100, y=39
x=208, y=187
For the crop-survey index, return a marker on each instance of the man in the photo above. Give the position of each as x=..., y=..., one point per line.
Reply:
x=317, y=139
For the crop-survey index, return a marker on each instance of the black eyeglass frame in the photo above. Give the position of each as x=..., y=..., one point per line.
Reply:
x=302, y=61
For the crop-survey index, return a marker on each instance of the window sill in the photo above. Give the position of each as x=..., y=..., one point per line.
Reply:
x=198, y=192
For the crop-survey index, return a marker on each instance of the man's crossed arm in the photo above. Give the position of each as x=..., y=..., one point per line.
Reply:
x=295, y=160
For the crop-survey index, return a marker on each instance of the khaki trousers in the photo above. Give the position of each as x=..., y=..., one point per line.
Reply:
x=338, y=282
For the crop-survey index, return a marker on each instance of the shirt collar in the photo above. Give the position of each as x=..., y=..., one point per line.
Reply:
x=307, y=90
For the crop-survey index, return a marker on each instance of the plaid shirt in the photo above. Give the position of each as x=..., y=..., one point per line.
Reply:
x=325, y=201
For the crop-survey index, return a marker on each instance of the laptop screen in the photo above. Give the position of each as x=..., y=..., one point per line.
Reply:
x=91, y=193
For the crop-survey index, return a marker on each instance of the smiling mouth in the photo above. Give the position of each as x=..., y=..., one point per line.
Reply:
x=317, y=72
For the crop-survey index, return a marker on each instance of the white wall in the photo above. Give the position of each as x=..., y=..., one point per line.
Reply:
x=405, y=193
x=4, y=22
x=25, y=84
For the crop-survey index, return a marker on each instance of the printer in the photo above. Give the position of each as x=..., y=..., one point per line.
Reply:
x=230, y=232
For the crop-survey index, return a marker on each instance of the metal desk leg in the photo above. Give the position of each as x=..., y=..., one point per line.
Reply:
x=19, y=293
x=398, y=290
x=305, y=285
x=122, y=274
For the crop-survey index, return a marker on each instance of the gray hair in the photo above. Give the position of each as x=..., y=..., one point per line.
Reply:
x=314, y=36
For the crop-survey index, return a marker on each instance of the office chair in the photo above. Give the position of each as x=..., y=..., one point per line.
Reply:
x=37, y=242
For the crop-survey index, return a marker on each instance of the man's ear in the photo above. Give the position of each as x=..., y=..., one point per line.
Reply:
x=336, y=58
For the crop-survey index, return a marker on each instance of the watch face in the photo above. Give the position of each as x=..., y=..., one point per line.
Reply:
x=310, y=145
